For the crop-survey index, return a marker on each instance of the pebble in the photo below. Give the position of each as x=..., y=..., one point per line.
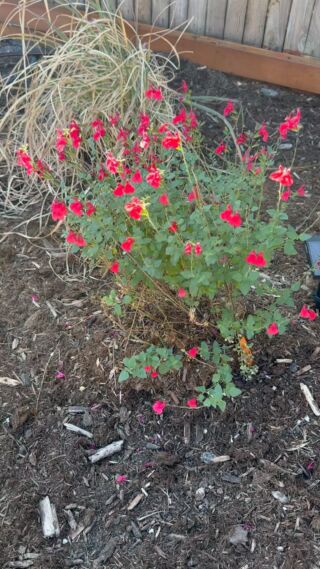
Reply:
x=200, y=494
x=282, y=498
x=269, y=92
x=208, y=457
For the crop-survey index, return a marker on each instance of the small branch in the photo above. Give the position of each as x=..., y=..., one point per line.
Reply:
x=78, y=430
x=106, y=451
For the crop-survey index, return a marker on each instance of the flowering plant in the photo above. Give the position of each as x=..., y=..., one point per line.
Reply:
x=200, y=233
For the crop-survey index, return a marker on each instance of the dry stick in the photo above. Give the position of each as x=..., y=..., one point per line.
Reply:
x=43, y=378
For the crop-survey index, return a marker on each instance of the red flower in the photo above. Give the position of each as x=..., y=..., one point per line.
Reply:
x=221, y=148
x=173, y=227
x=301, y=191
x=122, y=134
x=61, y=143
x=256, y=259
x=233, y=219
x=148, y=368
x=283, y=176
x=101, y=174
x=182, y=293
x=192, y=403
x=242, y=138
x=273, y=329
x=76, y=208
x=229, y=108
x=76, y=239
x=59, y=210
x=134, y=208
x=153, y=93
x=193, y=352
x=114, y=119
x=285, y=195
x=158, y=407
x=197, y=249
x=188, y=248
x=154, y=374
x=164, y=200
x=154, y=178
x=128, y=188
x=180, y=117
x=137, y=178
x=121, y=479
x=115, y=267
x=263, y=132
x=112, y=163
x=307, y=313
x=171, y=141
x=23, y=159
x=75, y=135
x=184, y=86
x=91, y=209
x=292, y=122
x=144, y=123
x=127, y=244
x=98, y=129
x=283, y=130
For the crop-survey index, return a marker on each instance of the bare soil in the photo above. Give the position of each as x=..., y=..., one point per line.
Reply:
x=260, y=508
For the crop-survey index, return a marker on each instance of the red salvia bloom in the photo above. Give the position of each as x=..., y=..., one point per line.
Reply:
x=173, y=227
x=193, y=352
x=99, y=130
x=307, y=313
x=127, y=244
x=76, y=239
x=115, y=267
x=164, y=200
x=137, y=177
x=229, y=108
x=154, y=178
x=273, y=329
x=154, y=374
x=285, y=195
x=192, y=403
x=233, y=218
x=263, y=132
x=119, y=191
x=242, y=138
x=59, y=210
x=112, y=163
x=128, y=188
x=188, y=248
x=283, y=176
x=301, y=191
x=153, y=93
x=75, y=135
x=90, y=209
x=144, y=123
x=114, y=119
x=134, y=208
x=61, y=143
x=77, y=208
x=23, y=159
x=158, y=407
x=180, y=117
x=163, y=128
x=171, y=141
x=197, y=249
x=182, y=293
x=101, y=174
x=221, y=148
x=256, y=259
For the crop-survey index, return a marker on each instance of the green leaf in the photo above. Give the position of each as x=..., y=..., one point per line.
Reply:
x=123, y=376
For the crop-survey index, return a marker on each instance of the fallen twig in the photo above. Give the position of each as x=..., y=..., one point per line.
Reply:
x=49, y=519
x=310, y=400
x=78, y=430
x=106, y=451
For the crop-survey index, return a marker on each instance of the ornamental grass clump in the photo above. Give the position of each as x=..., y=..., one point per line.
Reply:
x=192, y=238
x=93, y=70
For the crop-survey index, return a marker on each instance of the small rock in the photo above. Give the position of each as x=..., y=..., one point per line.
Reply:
x=208, y=457
x=282, y=498
x=268, y=92
x=239, y=536
x=286, y=146
x=200, y=494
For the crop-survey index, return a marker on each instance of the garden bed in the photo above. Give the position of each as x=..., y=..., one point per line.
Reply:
x=188, y=511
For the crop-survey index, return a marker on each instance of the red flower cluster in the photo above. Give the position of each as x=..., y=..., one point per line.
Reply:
x=76, y=239
x=171, y=141
x=242, y=138
x=173, y=227
x=137, y=177
x=193, y=352
x=197, y=249
x=182, y=293
x=292, y=122
x=24, y=160
x=152, y=371
x=307, y=313
x=154, y=177
x=76, y=207
x=256, y=259
x=61, y=143
x=115, y=267
x=164, y=200
x=127, y=244
x=134, y=208
x=99, y=130
x=153, y=93
x=123, y=189
x=233, y=218
x=263, y=132
x=229, y=108
x=74, y=132
x=112, y=163
x=59, y=210
x=221, y=149
x=158, y=407
x=283, y=176
x=273, y=329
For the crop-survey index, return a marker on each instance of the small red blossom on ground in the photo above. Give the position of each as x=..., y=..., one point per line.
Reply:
x=285, y=195
x=221, y=148
x=154, y=178
x=59, y=210
x=114, y=119
x=154, y=374
x=171, y=141
x=273, y=329
x=158, y=407
x=164, y=200
x=182, y=293
x=301, y=191
x=154, y=94
x=98, y=129
x=121, y=479
x=115, y=267
x=137, y=177
x=127, y=244
x=307, y=313
x=283, y=176
x=77, y=208
x=90, y=209
x=192, y=403
x=59, y=375
x=197, y=249
x=193, y=352
x=134, y=208
x=229, y=108
x=256, y=259
x=263, y=132
x=76, y=239
x=112, y=163
x=173, y=227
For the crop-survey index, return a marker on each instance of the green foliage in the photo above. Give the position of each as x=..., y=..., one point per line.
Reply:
x=159, y=360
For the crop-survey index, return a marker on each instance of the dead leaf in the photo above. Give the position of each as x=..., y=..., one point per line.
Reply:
x=9, y=381
x=21, y=416
x=239, y=536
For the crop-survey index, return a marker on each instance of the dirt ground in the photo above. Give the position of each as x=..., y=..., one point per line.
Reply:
x=259, y=509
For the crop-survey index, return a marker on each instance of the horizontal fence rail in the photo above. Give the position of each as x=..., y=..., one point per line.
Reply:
x=280, y=25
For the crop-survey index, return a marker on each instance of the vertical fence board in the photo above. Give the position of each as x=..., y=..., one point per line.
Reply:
x=143, y=11
x=198, y=11
x=277, y=21
x=178, y=12
x=160, y=13
x=255, y=22
x=235, y=18
x=108, y=5
x=312, y=46
x=126, y=9
x=216, y=14
x=298, y=25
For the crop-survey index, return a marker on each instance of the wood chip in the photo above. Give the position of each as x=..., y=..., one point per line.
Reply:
x=310, y=400
x=105, y=554
x=135, y=502
x=20, y=564
x=106, y=451
x=78, y=430
x=49, y=519
x=304, y=370
x=9, y=381
x=284, y=361
x=186, y=433
x=239, y=536
x=160, y=552
x=222, y=458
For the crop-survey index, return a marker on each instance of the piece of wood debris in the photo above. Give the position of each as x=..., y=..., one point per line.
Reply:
x=222, y=458
x=315, y=354
x=284, y=361
x=71, y=520
x=20, y=564
x=310, y=400
x=239, y=536
x=282, y=498
x=105, y=554
x=78, y=430
x=106, y=451
x=303, y=370
x=9, y=381
x=49, y=519
x=75, y=409
x=160, y=552
x=136, y=500
x=52, y=310
x=186, y=433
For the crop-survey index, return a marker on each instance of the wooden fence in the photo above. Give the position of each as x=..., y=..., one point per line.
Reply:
x=280, y=25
